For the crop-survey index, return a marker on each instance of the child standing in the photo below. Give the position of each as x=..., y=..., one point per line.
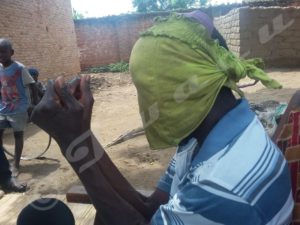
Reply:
x=14, y=102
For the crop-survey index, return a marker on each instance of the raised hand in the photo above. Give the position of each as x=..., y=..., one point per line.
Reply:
x=65, y=110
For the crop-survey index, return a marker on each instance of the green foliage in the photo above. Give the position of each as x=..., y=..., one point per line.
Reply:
x=99, y=69
x=180, y=4
x=119, y=67
x=162, y=5
x=203, y=2
x=77, y=15
x=146, y=5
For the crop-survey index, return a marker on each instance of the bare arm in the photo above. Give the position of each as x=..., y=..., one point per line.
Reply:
x=104, y=183
x=146, y=206
x=66, y=114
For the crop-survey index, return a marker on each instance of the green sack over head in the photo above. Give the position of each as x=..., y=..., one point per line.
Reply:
x=178, y=71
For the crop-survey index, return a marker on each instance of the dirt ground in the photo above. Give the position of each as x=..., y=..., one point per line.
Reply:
x=115, y=112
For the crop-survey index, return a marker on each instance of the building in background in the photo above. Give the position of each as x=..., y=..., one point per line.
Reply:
x=43, y=35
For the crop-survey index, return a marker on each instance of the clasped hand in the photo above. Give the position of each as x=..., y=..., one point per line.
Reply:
x=65, y=110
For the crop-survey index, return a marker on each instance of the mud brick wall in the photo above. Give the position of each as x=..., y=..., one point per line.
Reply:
x=106, y=40
x=110, y=39
x=43, y=35
x=271, y=33
x=102, y=41
x=229, y=27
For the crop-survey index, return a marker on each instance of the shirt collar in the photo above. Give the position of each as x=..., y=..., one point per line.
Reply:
x=227, y=129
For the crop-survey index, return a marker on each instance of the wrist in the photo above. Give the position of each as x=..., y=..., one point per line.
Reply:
x=83, y=151
x=73, y=140
x=68, y=133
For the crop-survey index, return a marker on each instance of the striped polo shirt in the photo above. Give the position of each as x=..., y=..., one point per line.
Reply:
x=238, y=177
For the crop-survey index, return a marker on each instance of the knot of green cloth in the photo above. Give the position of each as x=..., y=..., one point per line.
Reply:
x=178, y=70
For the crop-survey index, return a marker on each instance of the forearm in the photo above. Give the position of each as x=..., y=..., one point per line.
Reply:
x=107, y=201
x=146, y=206
x=98, y=157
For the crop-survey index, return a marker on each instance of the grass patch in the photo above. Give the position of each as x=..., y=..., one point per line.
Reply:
x=119, y=67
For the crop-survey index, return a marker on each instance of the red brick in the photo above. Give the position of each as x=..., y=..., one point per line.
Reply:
x=42, y=32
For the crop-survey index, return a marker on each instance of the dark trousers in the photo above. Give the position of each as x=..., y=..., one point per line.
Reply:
x=5, y=172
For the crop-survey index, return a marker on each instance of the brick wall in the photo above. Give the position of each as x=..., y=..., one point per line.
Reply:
x=229, y=27
x=43, y=35
x=271, y=33
x=110, y=39
x=250, y=32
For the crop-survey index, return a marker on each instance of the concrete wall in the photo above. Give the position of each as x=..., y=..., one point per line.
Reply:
x=271, y=33
x=43, y=35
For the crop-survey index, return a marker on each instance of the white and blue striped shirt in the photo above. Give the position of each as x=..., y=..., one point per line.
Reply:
x=238, y=177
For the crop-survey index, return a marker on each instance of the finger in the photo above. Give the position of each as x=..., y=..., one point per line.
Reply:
x=59, y=83
x=85, y=82
x=74, y=86
x=50, y=93
x=87, y=99
x=86, y=93
x=66, y=98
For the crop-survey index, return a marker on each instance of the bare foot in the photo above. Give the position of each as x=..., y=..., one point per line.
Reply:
x=12, y=185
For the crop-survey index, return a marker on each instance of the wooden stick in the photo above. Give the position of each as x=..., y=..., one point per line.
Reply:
x=127, y=136
x=248, y=85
